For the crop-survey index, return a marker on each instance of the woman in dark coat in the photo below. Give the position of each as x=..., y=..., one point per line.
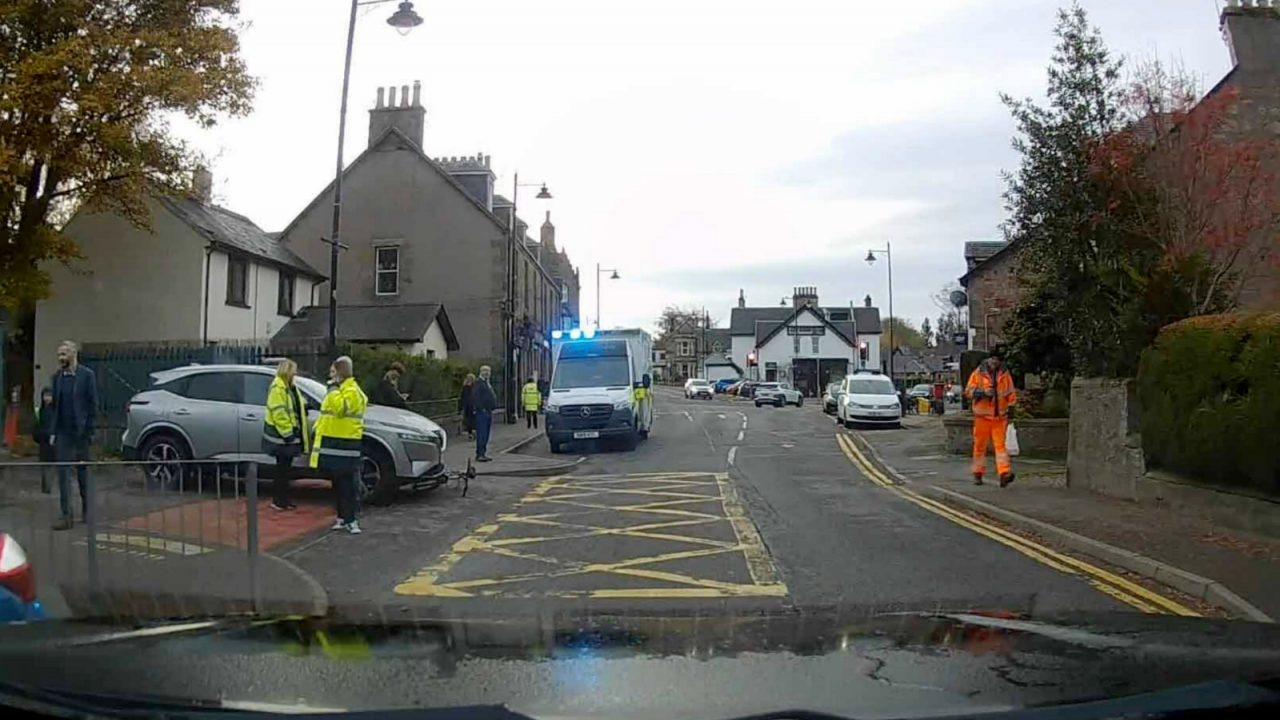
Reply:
x=42, y=433
x=466, y=408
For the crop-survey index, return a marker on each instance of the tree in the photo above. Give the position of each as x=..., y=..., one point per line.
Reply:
x=905, y=334
x=951, y=320
x=926, y=333
x=85, y=87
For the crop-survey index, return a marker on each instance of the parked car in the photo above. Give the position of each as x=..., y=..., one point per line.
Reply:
x=778, y=394
x=748, y=389
x=734, y=388
x=830, y=398
x=923, y=390
x=698, y=387
x=868, y=398
x=214, y=412
x=722, y=385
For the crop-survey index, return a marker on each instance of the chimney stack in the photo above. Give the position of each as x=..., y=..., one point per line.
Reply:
x=409, y=117
x=742, y=299
x=866, y=302
x=547, y=234
x=202, y=184
x=802, y=296
x=1251, y=30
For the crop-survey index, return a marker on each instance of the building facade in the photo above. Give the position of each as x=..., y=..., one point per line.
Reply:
x=422, y=232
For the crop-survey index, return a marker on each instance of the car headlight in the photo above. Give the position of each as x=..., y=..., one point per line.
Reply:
x=622, y=405
x=417, y=437
x=552, y=408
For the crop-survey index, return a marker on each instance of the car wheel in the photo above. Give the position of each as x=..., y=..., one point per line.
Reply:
x=757, y=403
x=848, y=424
x=164, y=452
x=780, y=402
x=378, y=482
x=800, y=401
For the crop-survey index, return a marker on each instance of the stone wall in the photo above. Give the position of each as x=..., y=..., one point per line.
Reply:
x=1038, y=438
x=1104, y=453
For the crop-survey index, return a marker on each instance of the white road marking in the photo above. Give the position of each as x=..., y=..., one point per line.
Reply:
x=788, y=446
x=732, y=452
x=688, y=415
x=720, y=415
x=739, y=436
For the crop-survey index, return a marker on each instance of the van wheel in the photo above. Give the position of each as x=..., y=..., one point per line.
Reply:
x=378, y=482
x=556, y=448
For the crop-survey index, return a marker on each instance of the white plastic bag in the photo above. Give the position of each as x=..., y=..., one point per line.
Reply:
x=1011, y=440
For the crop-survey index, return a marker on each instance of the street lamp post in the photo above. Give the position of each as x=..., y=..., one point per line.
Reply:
x=888, y=256
x=403, y=20
x=508, y=375
x=614, y=276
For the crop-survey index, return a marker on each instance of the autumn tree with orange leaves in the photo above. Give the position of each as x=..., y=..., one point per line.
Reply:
x=1137, y=203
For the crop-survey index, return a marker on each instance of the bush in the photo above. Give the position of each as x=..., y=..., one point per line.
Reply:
x=1210, y=393
x=425, y=378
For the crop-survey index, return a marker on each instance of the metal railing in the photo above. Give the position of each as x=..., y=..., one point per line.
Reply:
x=150, y=540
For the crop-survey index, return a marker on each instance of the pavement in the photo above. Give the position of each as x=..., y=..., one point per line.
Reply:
x=725, y=508
x=1182, y=547
x=504, y=440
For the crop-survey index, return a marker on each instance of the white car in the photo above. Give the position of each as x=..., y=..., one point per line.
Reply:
x=698, y=387
x=779, y=394
x=870, y=398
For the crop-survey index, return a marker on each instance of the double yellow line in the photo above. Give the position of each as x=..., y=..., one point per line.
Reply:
x=1117, y=587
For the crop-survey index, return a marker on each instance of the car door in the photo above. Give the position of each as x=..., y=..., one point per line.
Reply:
x=206, y=411
x=250, y=412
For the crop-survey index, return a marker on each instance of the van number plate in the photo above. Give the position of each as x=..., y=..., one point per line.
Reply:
x=586, y=434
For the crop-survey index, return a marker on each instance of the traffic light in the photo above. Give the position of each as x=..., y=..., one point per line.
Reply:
x=862, y=352
x=751, y=358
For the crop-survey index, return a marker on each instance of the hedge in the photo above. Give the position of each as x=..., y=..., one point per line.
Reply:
x=426, y=379
x=1209, y=388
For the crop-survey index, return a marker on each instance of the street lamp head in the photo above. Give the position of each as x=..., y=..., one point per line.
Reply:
x=543, y=194
x=871, y=257
x=404, y=18
x=614, y=276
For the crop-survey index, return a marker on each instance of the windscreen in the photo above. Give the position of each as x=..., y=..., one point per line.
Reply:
x=608, y=371
x=863, y=386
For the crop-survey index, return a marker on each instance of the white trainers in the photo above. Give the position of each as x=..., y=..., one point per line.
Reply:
x=338, y=524
x=353, y=527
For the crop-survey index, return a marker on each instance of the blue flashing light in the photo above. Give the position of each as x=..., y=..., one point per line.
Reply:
x=575, y=333
x=557, y=334
x=588, y=332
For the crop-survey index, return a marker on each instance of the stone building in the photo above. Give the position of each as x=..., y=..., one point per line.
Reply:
x=423, y=232
x=993, y=290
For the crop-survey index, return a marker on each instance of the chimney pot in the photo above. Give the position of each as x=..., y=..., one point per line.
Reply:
x=417, y=93
x=381, y=94
x=391, y=96
x=202, y=184
x=404, y=96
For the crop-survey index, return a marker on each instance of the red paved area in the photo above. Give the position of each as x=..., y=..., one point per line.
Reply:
x=224, y=522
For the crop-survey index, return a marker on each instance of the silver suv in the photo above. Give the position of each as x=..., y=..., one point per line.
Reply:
x=214, y=412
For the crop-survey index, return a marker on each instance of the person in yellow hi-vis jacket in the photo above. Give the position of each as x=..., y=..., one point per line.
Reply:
x=285, y=430
x=338, y=434
x=531, y=402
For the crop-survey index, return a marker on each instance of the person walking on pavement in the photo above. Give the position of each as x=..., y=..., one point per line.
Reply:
x=466, y=405
x=387, y=391
x=483, y=400
x=338, y=436
x=531, y=399
x=42, y=433
x=75, y=407
x=285, y=431
x=991, y=393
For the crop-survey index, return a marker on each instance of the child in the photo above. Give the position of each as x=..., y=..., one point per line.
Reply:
x=42, y=433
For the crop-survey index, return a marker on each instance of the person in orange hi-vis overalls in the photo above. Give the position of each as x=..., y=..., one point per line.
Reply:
x=991, y=393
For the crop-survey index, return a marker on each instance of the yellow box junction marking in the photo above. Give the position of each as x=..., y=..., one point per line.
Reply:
x=551, y=502
x=1102, y=580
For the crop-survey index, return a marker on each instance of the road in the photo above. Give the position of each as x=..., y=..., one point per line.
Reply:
x=725, y=506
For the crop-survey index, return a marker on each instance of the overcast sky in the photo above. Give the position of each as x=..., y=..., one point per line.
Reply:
x=699, y=146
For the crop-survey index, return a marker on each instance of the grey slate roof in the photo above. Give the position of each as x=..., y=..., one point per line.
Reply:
x=236, y=232
x=743, y=321
x=979, y=250
x=370, y=323
x=720, y=335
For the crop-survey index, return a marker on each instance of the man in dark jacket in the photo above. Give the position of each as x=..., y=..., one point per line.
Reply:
x=75, y=407
x=387, y=391
x=483, y=401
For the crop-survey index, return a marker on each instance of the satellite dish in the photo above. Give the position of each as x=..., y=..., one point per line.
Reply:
x=959, y=299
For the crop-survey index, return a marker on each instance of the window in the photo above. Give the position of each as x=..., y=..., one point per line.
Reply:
x=684, y=347
x=387, y=271
x=815, y=343
x=256, y=386
x=284, y=299
x=216, y=387
x=237, y=281
x=838, y=316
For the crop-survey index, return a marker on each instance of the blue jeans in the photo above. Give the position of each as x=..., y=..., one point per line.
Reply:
x=68, y=448
x=346, y=494
x=484, y=423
